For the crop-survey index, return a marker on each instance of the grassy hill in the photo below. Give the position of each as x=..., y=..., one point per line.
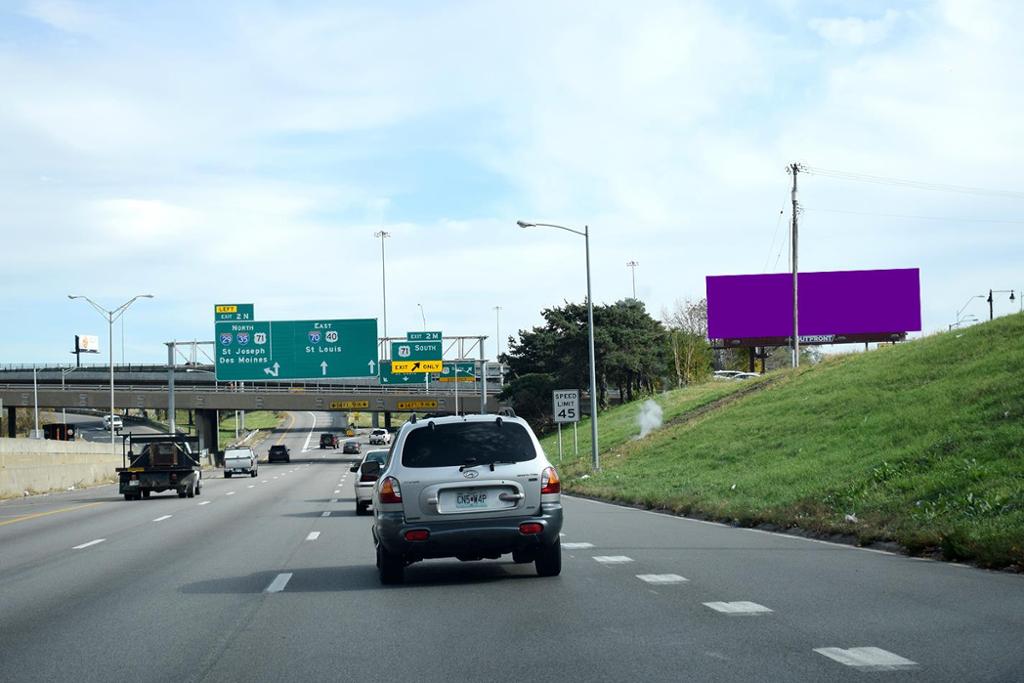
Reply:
x=922, y=443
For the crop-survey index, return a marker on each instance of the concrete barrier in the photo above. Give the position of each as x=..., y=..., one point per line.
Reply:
x=37, y=466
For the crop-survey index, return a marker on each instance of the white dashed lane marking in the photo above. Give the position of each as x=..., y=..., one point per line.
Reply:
x=335, y=500
x=326, y=514
x=251, y=486
x=337, y=490
x=160, y=519
x=263, y=481
x=661, y=579
x=205, y=502
x=230, y=493
x=279, y=582
x=313, y=535
x=576, y=546
x=867, y=658
x=86, y=545
x=741, y=607
x=612, y=559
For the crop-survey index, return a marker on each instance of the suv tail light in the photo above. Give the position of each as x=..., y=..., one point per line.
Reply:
x=417, y=535
x=530, y=528
x=390, y=492
x=549, y=481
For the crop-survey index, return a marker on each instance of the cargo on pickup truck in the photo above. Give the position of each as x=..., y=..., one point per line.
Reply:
x=159, y=462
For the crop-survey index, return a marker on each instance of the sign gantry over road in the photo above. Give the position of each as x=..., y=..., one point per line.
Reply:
x=416, y=357
x=296, y=349
x=566, y=405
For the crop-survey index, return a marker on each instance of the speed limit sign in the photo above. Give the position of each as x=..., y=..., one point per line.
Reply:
x=566, y=405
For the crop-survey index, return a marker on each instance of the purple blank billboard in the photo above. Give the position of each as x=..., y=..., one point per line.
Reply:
x=834, y=303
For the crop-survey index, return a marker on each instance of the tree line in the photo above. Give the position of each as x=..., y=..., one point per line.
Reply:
x=635, y=354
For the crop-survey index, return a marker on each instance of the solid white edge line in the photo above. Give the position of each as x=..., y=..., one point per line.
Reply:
x=305, y=446
x=86, y=545
x=313, y=535
x=279, y=582
x=668, y=515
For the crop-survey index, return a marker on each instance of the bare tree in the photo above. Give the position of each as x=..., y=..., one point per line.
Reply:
x=688, y=336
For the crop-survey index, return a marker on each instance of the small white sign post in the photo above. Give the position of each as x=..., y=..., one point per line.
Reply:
x=566, y=407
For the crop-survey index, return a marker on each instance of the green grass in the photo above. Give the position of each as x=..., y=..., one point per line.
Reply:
x=923, y=443
x=257, y=419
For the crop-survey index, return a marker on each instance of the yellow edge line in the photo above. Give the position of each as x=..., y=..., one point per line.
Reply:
x=44, y=514
x=291, y=421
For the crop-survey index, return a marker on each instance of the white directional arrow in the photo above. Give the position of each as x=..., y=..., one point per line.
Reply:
x=274, y=370
x=323, y=367
x=372, y=366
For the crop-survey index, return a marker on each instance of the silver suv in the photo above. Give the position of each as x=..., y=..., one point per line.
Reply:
x=470, y=487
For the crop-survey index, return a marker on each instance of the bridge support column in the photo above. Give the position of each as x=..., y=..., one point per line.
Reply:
x=207, y=423
x=375, y=419
x=12, y=419
x=387, y=420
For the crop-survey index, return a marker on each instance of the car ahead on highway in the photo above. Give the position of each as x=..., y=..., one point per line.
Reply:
x=471, y=487
x=328, y=440
x=364, y=483
x=240, y=461
x=279, y=452
x=381, y=437
x=726, y=374
x=351, y=447
x=114, y=420
x=741, y=376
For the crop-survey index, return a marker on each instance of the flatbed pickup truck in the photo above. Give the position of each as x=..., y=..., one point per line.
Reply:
x=160, y=462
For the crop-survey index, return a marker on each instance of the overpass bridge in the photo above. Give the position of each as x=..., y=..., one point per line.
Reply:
x=195, y=388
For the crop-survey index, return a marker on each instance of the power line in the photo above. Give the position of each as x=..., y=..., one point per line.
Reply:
x=775, y=236
x=905, y=182
x=911, y=216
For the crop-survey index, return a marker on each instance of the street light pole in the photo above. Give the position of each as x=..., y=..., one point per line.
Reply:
x=991, y=300
x=111, y=316
x=423, y=316
x=595, y=458
x=383, y=277
x=497, y=331
x=632, y=267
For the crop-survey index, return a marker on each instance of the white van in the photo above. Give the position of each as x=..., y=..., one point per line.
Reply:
x=240, y=461
x=113, y=420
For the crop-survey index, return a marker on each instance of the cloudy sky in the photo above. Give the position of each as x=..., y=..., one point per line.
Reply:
x=247, y=152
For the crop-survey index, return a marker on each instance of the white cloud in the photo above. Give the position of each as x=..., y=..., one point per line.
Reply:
x=855, y=31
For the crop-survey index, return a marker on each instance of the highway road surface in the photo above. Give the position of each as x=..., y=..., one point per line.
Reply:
x=90, y=428
x=273, y=579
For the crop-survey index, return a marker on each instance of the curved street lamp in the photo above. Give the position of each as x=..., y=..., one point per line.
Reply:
x=595, y=458
x=111, y=316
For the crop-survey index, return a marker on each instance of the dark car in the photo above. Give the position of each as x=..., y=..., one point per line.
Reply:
x=351, y=447
x=279, y=452
x=328, y=440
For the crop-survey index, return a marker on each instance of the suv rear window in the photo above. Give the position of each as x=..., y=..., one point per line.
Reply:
x=451, y=445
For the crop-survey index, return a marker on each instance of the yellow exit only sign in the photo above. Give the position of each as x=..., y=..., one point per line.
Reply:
x=400, y=366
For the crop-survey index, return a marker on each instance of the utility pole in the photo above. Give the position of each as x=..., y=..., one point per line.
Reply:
x=795, y=169
x=632, y=267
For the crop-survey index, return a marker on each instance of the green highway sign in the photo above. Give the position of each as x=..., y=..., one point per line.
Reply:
x=466, y=371
x=296, y=349
x=386, y=377
x=423, y=336
x=415, y=356
x=234, y=312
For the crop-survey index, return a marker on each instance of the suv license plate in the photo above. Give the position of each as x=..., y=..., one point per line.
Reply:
x=470, y=500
